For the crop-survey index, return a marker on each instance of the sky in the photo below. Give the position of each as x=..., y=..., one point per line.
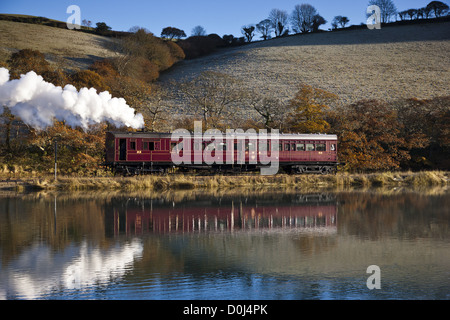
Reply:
x=220, y=17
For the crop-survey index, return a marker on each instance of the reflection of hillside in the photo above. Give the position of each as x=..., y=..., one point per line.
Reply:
x=408, y=215
x=310, y=245
x=24, y=221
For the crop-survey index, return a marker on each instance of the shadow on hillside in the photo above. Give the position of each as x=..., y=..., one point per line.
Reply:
x=362, y=35
x=84, y=62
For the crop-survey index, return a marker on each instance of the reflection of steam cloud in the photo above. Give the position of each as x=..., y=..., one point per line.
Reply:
x=38, y=273
x=38, y=103
x=93, y=266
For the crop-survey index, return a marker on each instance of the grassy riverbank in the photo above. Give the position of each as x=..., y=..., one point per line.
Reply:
x=183, y=182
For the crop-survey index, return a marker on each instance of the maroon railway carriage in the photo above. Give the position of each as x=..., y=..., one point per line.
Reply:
x=144, y=152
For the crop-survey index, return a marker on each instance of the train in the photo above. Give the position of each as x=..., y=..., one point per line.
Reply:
x=136, y=153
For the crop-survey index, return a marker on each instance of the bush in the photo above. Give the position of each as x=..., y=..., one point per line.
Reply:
x=27, y=60
x=310, y=105
x=176, y=52
x=144, y=44
x=56, y=77
x=105, y=68
x=198, y=46
x=102, y=28
x=425, y=128
x=370, y=136
x=88, y=79
x=141, y=69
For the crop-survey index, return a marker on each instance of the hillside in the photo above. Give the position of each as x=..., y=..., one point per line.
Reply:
x=71, y=48
x=394, y=62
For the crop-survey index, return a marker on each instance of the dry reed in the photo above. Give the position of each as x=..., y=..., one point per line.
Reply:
x=254, y=182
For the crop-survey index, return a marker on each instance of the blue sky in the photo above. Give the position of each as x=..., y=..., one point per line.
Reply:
x=221, y=17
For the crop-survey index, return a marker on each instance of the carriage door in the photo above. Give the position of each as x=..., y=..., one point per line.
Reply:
x=332, y=152
x=122, y=150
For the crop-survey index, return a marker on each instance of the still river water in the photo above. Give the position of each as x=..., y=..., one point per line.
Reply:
x=229, y=246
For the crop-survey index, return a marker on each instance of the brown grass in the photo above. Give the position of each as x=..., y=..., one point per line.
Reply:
x=218, y=182
x=391, y=63
x=76, y=49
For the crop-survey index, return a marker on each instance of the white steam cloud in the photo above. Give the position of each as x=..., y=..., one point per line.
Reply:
x=38, y=103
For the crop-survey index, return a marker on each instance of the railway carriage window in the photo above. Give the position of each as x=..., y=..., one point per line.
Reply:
x=250, y=147
x=147, y=145
x=176, y=147
x=210, y=147
x=310, y=147
x=280, y=147
x=300, y=147
x=287, y=147
x=264, y=146
x=333, y=147
x=321, y=147
x=132, y=145
x=293, y=146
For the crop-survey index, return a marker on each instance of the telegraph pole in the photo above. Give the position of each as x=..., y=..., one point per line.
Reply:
x=56, y=158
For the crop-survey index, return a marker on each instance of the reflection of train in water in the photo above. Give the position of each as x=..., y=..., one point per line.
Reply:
x=151, y=216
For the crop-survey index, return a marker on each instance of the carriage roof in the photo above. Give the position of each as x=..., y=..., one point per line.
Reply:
x=249, y=135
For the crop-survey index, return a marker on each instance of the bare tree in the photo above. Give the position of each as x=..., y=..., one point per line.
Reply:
x=412, y=13
x=335, y=23
x=387, y=8
x=86, y=23
x=173, y=33
x=318, y=20
x=302, y=18
x=265, y=28
x=212, y=95
x=420, y=13
x=279, y=19
x=426, y=12
x=248, y=32
x=402, y=15
x=156, y=111
x=271, y=110
x=438, y=7
x=343, y=21
x=198, y=31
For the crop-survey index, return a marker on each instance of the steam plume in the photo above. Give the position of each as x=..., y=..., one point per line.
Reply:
x=38, y=103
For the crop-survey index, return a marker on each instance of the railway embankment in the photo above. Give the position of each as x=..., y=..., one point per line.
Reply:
x=256, y=182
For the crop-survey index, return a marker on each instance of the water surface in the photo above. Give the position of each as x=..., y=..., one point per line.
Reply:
x=230, y=246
